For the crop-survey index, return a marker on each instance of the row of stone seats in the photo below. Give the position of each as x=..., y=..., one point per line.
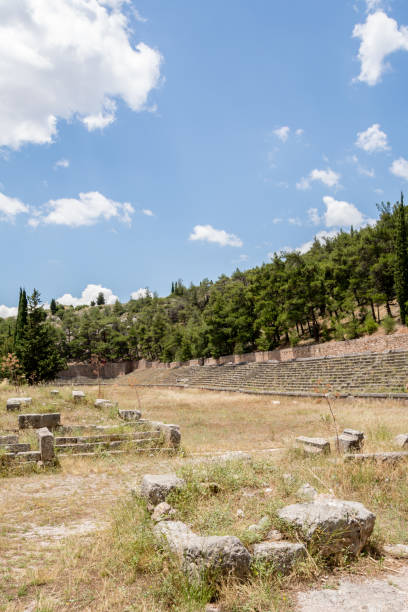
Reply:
x=372, y=373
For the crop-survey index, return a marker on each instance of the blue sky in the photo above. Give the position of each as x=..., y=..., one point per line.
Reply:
x=146, y=141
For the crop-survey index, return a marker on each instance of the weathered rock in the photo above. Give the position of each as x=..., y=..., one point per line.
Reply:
x=163, y=512
x=156, y=487
x=281, y=555
x=54, y=392
x=401, y=440
x=46, y=445
x=314, y=445
x=171, y=434
x=219, y=554
x=274, y=535
x=389, y=457
x=333, y=525
x=51, y=420
x=306, y=492
x=129, y=415
x=11, y=439
x=348, y=443
x=104, y=403
x=15, y=403
x=78, y=396
x=261, y=526
x=399, y=551
x=17, y=448
x=355, y=433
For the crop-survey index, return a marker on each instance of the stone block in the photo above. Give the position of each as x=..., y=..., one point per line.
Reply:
x=349, y=443
x=54, y=392
x=29, y=456
x=306, y=492
x=388, y=457
x=401, y=440
x=52, y=420
x=314, y=445
x=11, y=439
x=398, y=551
x=104, y=403
x=225, y=555
x=156, y=487
x=280, y=555
x=333, y=525
x=78, y=396
x=46, y=445
x=129, y=415
x=354, y=432
x=163, y=512
x=15, y=403
x=17, y=448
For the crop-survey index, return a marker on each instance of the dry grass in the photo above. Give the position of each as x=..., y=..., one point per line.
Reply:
x=75, y=539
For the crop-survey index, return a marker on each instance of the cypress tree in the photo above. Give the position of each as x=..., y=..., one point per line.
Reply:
x=53, y=306
x=401, y=261
x=100, y=300
x=21, y=322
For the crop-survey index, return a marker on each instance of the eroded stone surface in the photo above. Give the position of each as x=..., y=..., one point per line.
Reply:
x=104, y=403
x=46, y=444
x=15, y=403
x=401, y=440
x=156, y=487
x=333, y=525
x=314, y=445
x=306, y=492
x=163, y=512
x=224, y=554
x=36, y=421
x=398, y=551
x=281, y=555
x=10, y=439
x=77, y=396
x=129, y=415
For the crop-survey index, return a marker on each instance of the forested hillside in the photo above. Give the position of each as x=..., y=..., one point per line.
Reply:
x=332, y=291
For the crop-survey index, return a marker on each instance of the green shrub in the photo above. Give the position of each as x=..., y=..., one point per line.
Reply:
x=370, y=326
x=353, y=330
x=388, y=325
x=294, y=339
x=339, y=332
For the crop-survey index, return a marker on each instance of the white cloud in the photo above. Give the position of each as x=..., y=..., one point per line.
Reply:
x=327, y=177
x=341, y=214
x=10, y=208
x=140, y=293
x=277, y=220
x=320, y=236
x=70, y=59
x=6, y=311
x=299, y=132
x=88, y=295
x=380, y=36
x=294, y=221
x=366, y=172
x=62, y=163
x=314, y=216
x=147, y=212
x=373, y=139
x=282, y=133
x=373, y=5
x=208, y=234
x=87, y=209
x=399, y=168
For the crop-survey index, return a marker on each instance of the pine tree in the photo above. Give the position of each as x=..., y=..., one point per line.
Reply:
x=53, y=306
x=100, y=300
x=21, y=322
x=40, y=349
x=401, y=261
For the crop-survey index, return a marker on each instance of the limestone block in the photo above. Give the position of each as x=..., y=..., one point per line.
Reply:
x=156, y=487
x=401, y=440
x=104, y=403
x=281, y=555
x=46, y=444
x=398, y=551
x=78, y=396
x=15, y=403
x=11, y=439
x=354, y=432
x=129, y=415
x=348, y=443
x=54, y=392
x=29, y=456
x=333, y=525
x=51, y=420
x=17, y=448
x=314, y=445
x=225, y=554
x=388, y=457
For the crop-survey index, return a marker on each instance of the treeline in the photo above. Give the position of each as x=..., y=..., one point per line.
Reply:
x=335, y=290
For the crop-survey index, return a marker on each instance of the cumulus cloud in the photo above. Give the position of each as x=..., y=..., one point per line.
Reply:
x=70, y=59
x=373, y=139
x=61, y=163
x=299, y=132
x=314, y=216
x=7, y=311
x=399, y=168
x=320, y=236
x=327, y=177
x=87, y=209
x=373, y=5
x=341, y=214
x=282, y=133
x=140, y=293
x=207, y=233
x=11, y=207
x=88, y=295
x=147, y=212
x=294, y=221
x=380, y=36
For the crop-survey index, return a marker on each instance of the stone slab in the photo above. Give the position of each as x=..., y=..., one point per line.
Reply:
x=391, y=457
x=280, y=555
x=52, y=420
x=15, y=403
x=129, y=415
x=104, y=403
x=46, y=444
x=314, y=445
x=156, y=487
x=11, y=439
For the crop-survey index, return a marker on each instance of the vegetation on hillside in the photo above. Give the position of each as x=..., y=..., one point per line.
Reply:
x=335, y=290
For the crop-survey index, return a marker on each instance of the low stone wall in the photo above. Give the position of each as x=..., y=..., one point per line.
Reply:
x=367, y=344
